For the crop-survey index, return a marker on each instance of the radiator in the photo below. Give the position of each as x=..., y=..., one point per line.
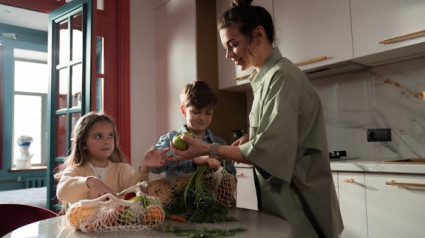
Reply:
x=34, y=182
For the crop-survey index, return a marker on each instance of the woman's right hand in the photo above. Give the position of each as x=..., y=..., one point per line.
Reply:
x=97, y=187
x=196, y=148
x=241, y=140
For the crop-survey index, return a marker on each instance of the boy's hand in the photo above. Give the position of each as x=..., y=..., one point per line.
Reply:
x=241, y=140
x=213, y=163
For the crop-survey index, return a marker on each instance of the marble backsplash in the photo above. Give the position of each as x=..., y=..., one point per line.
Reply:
x=389, y=96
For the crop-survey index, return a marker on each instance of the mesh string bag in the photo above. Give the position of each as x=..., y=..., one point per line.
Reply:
x=109, y=213
x=202, y=196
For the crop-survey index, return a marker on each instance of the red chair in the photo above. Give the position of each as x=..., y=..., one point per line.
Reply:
x=13, y=216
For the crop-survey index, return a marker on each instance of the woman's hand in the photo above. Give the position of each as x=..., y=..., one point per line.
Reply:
x=196, y=148
x=153, y=158
x=213, y=163
x=241, y=140
x=97, y=187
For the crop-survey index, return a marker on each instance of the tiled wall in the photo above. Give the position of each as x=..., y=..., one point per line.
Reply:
x=389, y=96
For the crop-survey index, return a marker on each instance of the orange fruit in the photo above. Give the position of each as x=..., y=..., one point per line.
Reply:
x=78, y=215
x=154, y=215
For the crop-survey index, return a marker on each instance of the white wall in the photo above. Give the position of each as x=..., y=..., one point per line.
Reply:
x=142, y=78
x=175, y=37
x=162, y=61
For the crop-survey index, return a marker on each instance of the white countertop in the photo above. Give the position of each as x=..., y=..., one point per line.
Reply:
x=257, y=224
x=365, y=165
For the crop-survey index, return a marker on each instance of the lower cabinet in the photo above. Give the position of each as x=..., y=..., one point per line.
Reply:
x=246, y=193
x=351, y=196
x=395, y=205
x=379, y=205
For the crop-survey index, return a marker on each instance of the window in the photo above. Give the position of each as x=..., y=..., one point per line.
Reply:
x=30, y=103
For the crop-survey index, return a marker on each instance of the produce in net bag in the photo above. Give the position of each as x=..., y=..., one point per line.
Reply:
x=109, y=213
x=202, y=196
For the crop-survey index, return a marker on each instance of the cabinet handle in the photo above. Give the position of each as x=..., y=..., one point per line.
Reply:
x=403, y=37
x=312, y=60
x=239, y=174
x=350, y=180
x=242, y=77
x=394, y=183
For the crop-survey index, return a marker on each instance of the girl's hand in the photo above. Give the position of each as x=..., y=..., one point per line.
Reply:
x=196, y=148
x=153, y=158
x=213, y=163
x=97, y=187
x=241, y=140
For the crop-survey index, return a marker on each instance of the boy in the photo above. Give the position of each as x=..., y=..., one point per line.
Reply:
x=197, y=106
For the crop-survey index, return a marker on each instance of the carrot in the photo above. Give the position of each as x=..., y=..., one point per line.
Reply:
x=176, y=218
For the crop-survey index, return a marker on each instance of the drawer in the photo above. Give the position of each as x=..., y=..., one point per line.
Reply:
x=246, y=194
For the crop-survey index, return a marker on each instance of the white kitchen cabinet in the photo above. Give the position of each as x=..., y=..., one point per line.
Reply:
x=374, y=21
x=246, y=193
x=352, y=202
x=395, y=210
x=335, y=178
x=314, y=32
x=227, y=70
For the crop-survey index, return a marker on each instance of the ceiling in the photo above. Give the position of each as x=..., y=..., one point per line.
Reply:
x=23, y=18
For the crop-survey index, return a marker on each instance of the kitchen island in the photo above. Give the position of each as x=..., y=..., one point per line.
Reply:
x=257, y=224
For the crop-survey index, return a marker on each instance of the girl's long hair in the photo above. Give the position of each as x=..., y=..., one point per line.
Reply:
x=79, y=156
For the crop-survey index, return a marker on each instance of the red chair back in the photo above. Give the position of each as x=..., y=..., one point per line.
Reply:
x=13, y=216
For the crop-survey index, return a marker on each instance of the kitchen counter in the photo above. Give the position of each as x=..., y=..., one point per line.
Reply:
x=257, y=224
x=366, y=165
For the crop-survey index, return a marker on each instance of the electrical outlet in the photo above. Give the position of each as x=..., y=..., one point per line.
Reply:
x=382, y=134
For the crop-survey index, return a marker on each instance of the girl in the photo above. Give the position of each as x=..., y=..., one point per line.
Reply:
x=96, y=165
x=287, y=140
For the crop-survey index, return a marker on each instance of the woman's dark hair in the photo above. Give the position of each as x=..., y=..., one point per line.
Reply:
x=198, y=94
x=247, y=18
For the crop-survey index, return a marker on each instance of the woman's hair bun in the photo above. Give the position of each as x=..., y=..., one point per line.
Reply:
x=241, y=3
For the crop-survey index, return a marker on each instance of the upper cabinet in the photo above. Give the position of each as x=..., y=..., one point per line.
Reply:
x=230, y=76
x=386, y=31
x=313, y=33
x=327, y=37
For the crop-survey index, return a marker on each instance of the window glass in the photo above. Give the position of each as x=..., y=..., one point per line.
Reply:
x=31, y=77
x=63, y=42
x=30, y=108
x=100, y=54
x=61, y=136
x=100, y=5
x=28, y=127
x=77, y=37
x=77, y=82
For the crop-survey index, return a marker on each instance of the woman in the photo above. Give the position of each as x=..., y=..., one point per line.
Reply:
x=287, y=141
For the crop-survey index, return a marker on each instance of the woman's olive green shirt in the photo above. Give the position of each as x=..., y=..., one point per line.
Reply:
x=287, y=144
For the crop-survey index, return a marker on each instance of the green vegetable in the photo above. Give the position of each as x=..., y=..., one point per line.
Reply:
x=196, y=203
x=204, y=233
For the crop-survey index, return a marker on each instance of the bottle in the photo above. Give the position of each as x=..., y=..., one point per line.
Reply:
x=236, y=134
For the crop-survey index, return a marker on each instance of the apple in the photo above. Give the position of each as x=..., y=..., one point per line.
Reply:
x=179, y=143
x=129, y=195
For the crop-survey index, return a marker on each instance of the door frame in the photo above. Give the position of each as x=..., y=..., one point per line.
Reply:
x=118, y=103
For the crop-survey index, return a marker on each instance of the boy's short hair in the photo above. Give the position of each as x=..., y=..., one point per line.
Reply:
x=198, y=94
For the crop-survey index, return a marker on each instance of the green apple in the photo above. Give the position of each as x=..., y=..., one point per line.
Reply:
x=179, y=143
